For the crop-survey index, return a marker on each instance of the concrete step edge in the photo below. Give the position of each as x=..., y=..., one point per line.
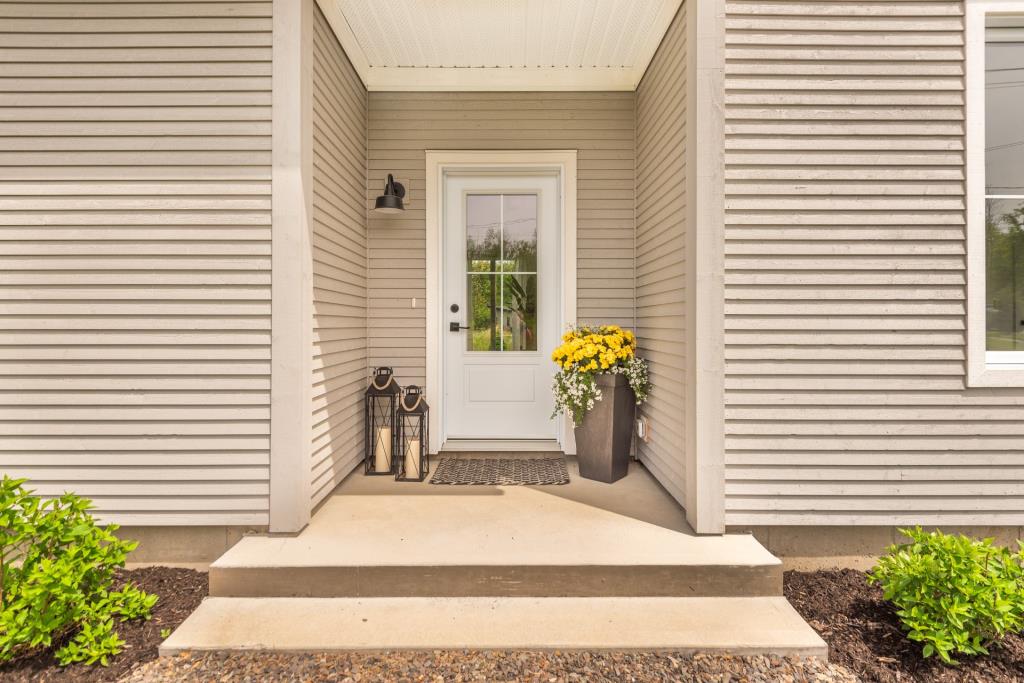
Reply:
x=495, y=581
x=749, y=625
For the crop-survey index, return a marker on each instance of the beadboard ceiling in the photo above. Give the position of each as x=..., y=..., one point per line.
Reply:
x=500, y=44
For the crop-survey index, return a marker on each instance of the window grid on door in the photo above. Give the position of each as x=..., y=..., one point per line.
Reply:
x=501, y=273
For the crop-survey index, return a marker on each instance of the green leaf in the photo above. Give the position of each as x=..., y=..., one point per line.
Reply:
x=63, y=579
x=953, y=594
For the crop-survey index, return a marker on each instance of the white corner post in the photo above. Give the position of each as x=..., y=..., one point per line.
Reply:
x=292, y=267
x=704, y=416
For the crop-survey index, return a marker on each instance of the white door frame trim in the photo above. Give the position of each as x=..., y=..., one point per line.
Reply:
x=439, y=161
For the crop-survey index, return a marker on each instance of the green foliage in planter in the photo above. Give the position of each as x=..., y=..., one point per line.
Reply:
x=954, y=594
x=56, y=578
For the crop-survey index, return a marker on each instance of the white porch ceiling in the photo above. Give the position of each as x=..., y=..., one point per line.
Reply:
x=500, y=44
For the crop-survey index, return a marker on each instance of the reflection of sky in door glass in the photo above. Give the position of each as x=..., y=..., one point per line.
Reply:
x=520, y=233
x=483, y=231
x=1004, y=102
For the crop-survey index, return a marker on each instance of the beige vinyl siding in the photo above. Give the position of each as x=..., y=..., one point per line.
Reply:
x=661, y=258
x=135, y=256
x=339, y=261
x=846, y=395
x=402, y=126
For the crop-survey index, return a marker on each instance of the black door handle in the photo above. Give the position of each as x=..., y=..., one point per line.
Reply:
x=455, y=327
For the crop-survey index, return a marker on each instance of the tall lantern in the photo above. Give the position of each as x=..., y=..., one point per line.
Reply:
x=379, y=423
x=412, y=452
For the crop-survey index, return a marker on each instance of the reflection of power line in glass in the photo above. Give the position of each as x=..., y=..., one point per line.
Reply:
x=494, y=225
x=1005, y=145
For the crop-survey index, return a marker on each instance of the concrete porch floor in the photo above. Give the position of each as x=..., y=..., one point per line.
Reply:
x=637, y=496
x=375, y=537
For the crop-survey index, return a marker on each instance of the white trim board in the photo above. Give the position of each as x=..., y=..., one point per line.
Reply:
x=291, y=343
x=500, y=445
x=437, y=163
x=704, y=418
x=425, y=76
x=981, y=371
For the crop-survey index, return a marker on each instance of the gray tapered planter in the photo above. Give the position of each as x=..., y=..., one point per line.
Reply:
x=603, y=440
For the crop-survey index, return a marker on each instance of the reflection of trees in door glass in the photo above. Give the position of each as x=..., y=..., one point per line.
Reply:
x=501, y=281
x=1004, y=274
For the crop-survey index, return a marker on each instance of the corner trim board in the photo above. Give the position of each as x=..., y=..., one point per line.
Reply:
x=292, y=266
x=705, y=184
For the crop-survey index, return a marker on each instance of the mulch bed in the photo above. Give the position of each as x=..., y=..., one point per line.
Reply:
x=864, y=634
x=180, y=591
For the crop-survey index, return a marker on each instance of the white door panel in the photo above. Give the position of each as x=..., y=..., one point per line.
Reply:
x=501, y=285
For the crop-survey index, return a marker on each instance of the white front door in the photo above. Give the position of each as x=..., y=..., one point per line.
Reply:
x=501, y=292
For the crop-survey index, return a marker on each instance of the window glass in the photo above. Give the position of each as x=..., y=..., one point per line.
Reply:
x=501, y=272
x=1004, y=182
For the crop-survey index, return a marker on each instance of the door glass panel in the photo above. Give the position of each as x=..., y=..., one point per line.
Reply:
x=501, y=272
x=519, y=233
x=483, y=232
x=484, y=297
x=519, y=316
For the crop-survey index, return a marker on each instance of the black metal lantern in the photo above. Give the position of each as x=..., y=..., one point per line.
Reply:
x=412, y=446
x=382, y=398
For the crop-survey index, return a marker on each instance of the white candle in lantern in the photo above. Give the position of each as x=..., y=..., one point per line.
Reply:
x=382, y=450
x=412, y=460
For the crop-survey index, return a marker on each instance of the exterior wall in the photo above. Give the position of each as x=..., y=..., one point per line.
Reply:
x=661, y=254
x=846, y=395
x=195, y=546
x=135, y=261
x=339, y=262
x=402, y=126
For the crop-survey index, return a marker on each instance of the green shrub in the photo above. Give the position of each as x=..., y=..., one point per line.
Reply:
x=954, y=594
x=56, y=578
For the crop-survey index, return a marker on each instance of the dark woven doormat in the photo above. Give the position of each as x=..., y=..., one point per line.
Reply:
x=501, y=472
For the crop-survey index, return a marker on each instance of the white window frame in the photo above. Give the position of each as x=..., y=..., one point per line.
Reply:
x=984, y=368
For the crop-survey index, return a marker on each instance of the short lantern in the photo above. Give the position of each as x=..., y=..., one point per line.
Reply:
x=382, y=398
x=412, y=451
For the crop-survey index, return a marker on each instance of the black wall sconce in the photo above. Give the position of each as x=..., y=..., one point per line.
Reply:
x=391, y=200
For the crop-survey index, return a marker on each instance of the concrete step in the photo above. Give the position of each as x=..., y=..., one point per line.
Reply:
x=512, y=542
x=751, y=625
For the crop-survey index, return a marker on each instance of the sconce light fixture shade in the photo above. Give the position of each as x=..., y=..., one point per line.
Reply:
x=391, y=200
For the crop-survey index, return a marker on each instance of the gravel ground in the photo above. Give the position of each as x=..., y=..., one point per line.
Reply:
x=529, y=667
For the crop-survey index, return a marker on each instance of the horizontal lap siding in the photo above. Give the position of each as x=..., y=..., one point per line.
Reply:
x=339, y=261
x=135, y=256
x=845, y=282
x=661, y=258
x=402, y=126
